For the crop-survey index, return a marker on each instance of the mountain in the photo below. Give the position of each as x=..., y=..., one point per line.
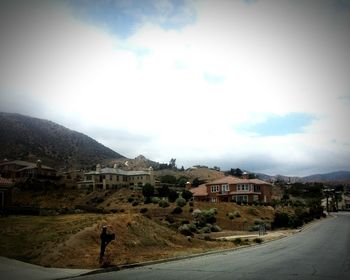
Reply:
x=27, y=138
x=333, y=176
x=338, y=176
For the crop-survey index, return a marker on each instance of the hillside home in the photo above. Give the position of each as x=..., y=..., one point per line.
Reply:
x=6, y=188
x=112, y=178
x=233, y=189
x=19, y=170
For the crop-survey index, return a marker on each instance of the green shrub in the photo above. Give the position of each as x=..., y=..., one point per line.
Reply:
x=130, y=199
x=281, y=219
x=253, y=211
x=254, y=228
x=135, y=203
x=177, y=210
x=170, y=219
x=216, y=228
x=185, y=230
x=163, y=203
x=143, y=210
x=192, y=227
x=237, y=241
x=155, y=200
x=205, y=230
x=231, y=216
x=258, y=240
x=237, y=214
x=180, y=202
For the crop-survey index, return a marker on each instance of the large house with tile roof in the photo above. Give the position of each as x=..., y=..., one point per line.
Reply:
x=6, y=186
x=233, y=189
x=19, y=170
x=113, y=178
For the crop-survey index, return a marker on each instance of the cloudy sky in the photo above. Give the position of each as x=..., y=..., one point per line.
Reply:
x=258, y=84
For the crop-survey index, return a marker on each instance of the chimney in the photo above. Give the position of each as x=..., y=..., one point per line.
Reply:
x=245, y=175
x=38, y=164
x=188, y=186
x=98, y=167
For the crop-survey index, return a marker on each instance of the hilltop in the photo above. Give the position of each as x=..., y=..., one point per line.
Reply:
x=28, y=138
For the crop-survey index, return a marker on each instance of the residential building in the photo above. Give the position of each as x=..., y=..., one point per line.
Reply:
x=6, y=188
x=233, y=189
x=18, y=170
x=113, y=178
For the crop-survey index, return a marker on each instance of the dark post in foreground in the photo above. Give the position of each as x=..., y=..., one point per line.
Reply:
x=105, y=240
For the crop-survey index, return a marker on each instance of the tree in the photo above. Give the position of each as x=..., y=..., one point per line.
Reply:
x=186, y=195
x=172, y=163
x=168, y=179
x=173, y=195
x=196, y=182
x=163, y=191
x=181, y=182
x=236, y=172
x=148, y=191
x=251, y=176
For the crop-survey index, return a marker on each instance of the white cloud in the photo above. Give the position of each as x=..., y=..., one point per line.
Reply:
x=275, y=58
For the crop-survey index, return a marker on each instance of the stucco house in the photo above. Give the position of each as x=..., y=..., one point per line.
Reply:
x=6, y=188
x=233, y=189
x=19, y=170
x=113, y=178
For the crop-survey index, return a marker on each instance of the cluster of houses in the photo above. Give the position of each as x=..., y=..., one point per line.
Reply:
x=226, y=189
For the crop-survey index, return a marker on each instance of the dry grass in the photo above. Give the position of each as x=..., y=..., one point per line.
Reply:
x=73, y=240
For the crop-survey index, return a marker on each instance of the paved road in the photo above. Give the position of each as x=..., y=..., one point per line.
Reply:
x=16, y=270
x=320, y=252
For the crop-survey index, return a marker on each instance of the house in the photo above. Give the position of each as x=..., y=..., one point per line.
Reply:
x=18, y=170
x=233, y=189
x=5, y=193
x=113, y=178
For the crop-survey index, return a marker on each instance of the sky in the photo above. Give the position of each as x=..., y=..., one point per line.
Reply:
x=261, y=85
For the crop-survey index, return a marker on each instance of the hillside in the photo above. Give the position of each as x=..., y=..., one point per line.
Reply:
x=27, y=138
x=333, y=176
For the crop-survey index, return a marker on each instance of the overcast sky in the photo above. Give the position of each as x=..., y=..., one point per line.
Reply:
x=261, y=85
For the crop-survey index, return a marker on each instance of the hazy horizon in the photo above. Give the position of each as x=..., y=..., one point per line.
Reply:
x=259, y=85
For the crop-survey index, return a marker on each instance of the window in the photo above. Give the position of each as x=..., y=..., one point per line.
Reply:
x=225, y=188
x=241, y=198
x=243, y=187
x=214, y=188
x=257, y=188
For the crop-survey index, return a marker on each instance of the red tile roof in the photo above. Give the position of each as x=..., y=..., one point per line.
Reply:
x=200, y=190
x=231, y=180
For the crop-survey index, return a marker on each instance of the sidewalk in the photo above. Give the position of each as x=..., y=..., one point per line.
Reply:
x=15, y=270
x=272, y=235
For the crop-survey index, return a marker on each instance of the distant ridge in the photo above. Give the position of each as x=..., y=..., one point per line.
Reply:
x=336, y=176
x=28, y=138
x=333, y=176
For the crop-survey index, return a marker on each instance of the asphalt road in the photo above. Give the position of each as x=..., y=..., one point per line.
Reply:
x=319, y=252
